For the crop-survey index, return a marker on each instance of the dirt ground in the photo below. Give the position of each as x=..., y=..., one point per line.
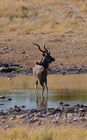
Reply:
x=62, y=26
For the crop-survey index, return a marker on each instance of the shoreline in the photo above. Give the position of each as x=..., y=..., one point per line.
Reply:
x=12, y=70
x=63, y=115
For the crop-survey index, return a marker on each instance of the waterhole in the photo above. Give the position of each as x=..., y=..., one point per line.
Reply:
x=70, y=89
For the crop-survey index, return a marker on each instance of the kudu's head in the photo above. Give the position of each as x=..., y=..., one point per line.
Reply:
x=46, y=55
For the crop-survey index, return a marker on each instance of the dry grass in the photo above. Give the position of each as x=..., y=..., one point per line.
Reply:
x=61, y=133
x=25, y=21
x=46, y=16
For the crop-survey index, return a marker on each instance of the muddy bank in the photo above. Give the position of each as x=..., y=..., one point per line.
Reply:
x=10, y=70
x=64, y=114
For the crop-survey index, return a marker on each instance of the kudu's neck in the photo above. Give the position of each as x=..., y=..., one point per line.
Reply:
x=44, y=62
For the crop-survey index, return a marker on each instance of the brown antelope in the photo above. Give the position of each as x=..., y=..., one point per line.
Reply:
x=40, y=69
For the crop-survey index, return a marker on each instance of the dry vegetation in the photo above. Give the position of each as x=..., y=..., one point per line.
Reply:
x=61, y=133
x=61, y=24
x=48, y=16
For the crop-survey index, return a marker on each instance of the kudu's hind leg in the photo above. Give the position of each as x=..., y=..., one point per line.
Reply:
x=46, y=89
x=36, y=86
x=36, y=98
x=43, y=87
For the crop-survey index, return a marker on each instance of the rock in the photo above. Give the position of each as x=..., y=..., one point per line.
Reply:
x=33, y=110
x=21, y=122
x=60, y=103
x=2, y=113
x=13, y=117
x=39, y=123
x=70, y=116
x=69, y=110
x=23, y=52
x=76, y=119
x=21, y=116
x=3, y=121
x=66, y=105
x=75, y=106
x=7, y=70
x=9, y=78
x=23, y=106
x=1, y=104
x=4, y=65
x=56, y=111
x=82, y=119
x=5, y=48
x=15, y=65
x=40, y=115
x=7, y=126
x=55, y=122
x=33, y=120
x=16, y=108
x=2, y=97
x=9, y=99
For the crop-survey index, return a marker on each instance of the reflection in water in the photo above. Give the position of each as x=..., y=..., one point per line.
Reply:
x=42, y=103
x=28, y=99
x=71, y=89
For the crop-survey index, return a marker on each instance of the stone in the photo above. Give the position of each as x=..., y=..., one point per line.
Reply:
x=3, y=121
x=21, y=122
x=82, y=119
x=38, y=122
x=60, y=103
x=40, y=116
x=21, y=116
x=2, y=97
x=23, y=106
x=76, y=119
x=7, y=70
x=9, y=99
x=55, y=122
x=33, y=120
x=23, y=52
x=66, y=105
x=13, y=117
x=57, y=110
x=7, y=126
x=4, y=65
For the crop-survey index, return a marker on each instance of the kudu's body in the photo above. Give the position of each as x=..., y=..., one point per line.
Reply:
x=40, y=69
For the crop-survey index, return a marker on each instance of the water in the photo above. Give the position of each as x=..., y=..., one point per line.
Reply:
x=71, y=89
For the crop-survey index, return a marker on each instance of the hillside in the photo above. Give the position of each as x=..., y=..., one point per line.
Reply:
x=61, y=24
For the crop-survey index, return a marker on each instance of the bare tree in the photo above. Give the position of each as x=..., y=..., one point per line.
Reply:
x=40, y=68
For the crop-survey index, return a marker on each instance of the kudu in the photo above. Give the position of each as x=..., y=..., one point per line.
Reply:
x=40, y=69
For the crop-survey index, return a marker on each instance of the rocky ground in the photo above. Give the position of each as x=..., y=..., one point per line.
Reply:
x=10, y=70
x=61, y=25
x=63, y=115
